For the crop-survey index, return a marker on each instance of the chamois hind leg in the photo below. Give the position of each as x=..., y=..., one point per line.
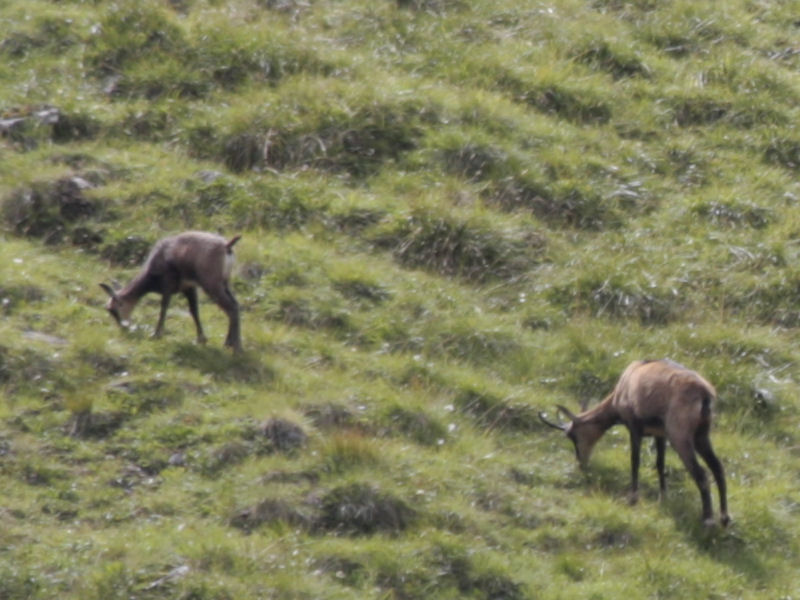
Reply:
x=685, y=450
x=191, y=298
x=222, y=295
x=704, y=448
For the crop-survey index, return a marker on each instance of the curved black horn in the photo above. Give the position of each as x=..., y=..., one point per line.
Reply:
x=567, y=412
x=551, y=423
x=109, y=290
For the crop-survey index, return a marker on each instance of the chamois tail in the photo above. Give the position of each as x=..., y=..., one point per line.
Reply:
x=229, y=245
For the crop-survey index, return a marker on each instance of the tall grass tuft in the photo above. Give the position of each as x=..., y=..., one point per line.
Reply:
x=361, y=509
x=460, y=248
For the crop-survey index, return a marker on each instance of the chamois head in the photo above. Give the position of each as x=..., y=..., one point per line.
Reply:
x=118, y=308
x=583, y=435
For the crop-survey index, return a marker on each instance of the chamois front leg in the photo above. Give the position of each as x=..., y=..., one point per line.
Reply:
x=636, y=447
x=191, y=298
x=165, y=298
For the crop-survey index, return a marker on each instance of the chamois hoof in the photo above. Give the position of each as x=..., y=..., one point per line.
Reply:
x=709, y=522
x=633, y=498
x=233, y=344
x=725, y=520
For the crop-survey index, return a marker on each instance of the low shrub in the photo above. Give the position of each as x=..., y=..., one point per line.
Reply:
x=355, y=220
x=284, y=211
x=564, y=204
x=300, y=312
x=360, y=509
x=95, y=424
x=360, y=290
x=269, y=511
x=348, y=450
x=18, y=583
x=131, y=31
x=54, y=211
x=358, y=144
x=416, y=425
x=491, y=413
x=129, y=251
x=734, y=214
x=283, y=435
x=225, y=456
x=619, y=61
x=138, y=397
x=14, y=296
x=699, y=110
x=149, y=124
x=770, y=300
x=346, y=570
x=459, y=248
x=784, y=152
x=21, y=368
x=512, y=186
x=468, y=342
x=456, y=567
x=222, y=365
x=44, y=34
x=579, y=105
x=476, y=162
x=329, y=416
x=618, y=297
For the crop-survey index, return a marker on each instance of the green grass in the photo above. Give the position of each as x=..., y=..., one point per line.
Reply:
x=454, y=215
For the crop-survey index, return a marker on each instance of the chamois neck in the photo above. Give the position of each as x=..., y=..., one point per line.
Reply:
x=604, y=414
x=138, y=287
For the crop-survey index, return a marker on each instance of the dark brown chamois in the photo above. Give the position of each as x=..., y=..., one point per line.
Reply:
x=181, y=263
x=665, y=400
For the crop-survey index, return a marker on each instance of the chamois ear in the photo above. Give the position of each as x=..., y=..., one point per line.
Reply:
x=109, y=290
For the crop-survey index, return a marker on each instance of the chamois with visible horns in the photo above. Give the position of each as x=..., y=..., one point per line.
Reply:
x=182, y=263
x=658, y=398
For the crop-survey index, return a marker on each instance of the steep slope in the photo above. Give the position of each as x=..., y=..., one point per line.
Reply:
x=454, y=215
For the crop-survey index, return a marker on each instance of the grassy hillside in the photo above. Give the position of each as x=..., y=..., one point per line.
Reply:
x=454, y=215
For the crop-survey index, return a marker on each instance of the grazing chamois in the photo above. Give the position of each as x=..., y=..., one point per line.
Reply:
x=181, y=263
x=658, y=398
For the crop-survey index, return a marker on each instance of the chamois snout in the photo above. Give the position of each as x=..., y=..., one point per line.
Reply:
x=574, y=431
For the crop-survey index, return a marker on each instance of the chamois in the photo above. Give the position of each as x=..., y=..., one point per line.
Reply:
x=180, y=263
x=658, y=398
